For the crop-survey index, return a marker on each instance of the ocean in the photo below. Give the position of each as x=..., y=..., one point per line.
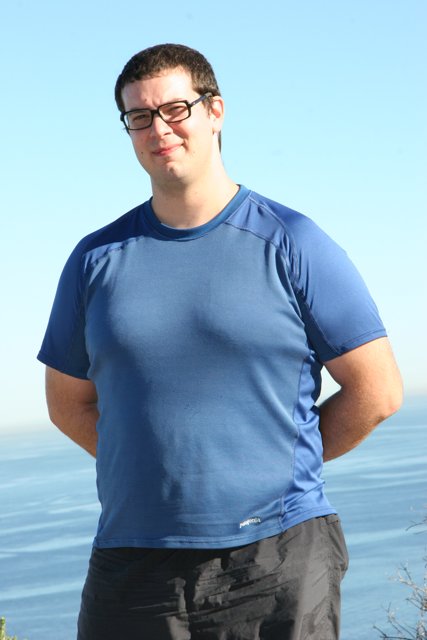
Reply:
x=49, y=512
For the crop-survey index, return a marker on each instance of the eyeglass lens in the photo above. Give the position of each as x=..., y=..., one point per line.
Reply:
x=143, y=118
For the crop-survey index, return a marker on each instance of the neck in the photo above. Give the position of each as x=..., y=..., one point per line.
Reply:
x=187, y=206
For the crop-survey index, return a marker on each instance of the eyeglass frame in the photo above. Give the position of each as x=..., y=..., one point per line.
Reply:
x=153, y=112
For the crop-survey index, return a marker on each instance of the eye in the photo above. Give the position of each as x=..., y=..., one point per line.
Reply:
x=139, y=118
x=174, y=110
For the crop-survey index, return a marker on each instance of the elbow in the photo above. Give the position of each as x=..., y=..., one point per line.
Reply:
x=56, y=416
x=397, y=403
x=53, y=416
x=389, y=408
x=392, y=400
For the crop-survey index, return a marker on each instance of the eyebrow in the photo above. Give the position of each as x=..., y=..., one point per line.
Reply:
x=161, y=104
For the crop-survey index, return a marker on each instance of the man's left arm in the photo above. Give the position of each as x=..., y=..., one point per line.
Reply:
x=370, y=391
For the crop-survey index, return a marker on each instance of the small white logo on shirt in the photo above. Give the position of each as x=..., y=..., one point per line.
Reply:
x=246, y=523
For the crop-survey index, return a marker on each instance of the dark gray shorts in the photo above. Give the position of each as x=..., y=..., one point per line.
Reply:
x=282, y=588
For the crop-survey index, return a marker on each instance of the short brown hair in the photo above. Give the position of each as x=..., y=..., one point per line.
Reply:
x=161, y=57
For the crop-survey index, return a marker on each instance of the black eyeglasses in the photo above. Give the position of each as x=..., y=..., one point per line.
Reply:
x=170, y=112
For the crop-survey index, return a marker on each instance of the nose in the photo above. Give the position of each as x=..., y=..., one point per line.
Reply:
x=158, y=126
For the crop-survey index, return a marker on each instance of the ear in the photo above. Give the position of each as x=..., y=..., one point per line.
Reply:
x=216, y=113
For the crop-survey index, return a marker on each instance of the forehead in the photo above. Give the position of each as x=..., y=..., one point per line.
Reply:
x=151, y=91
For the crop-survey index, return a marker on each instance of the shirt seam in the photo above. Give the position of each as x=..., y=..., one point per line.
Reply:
x=293, y=277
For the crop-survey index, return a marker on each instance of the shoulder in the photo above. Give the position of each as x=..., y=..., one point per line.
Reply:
x=114, y=233
x=275, y=222
x=294, y=234
x=96, y=244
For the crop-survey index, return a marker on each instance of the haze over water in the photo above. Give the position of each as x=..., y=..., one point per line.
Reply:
x=50, y=511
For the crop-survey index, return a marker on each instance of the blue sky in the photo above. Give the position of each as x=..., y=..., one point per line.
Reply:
x=326, y=105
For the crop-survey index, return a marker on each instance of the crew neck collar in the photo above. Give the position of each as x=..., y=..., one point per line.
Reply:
x=194, y=232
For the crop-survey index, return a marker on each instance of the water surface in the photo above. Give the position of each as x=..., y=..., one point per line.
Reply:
x=50, y=510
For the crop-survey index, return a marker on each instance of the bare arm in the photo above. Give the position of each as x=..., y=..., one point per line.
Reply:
x=72, y=405
x=371, y=391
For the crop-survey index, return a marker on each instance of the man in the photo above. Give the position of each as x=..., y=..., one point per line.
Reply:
x=184, y=350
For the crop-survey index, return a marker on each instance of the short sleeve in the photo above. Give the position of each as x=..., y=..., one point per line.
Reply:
x=337, y=308
x=63, y=346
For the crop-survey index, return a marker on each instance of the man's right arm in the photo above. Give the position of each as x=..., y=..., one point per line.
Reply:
x=72, y=406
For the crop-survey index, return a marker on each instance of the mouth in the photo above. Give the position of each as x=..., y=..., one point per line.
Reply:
x=166, y=151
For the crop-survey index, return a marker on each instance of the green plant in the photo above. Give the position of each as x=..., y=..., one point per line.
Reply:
x=417, y=597
x=3, y=635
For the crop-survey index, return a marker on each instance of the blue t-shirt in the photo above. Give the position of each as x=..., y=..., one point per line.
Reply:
x=206, y=348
